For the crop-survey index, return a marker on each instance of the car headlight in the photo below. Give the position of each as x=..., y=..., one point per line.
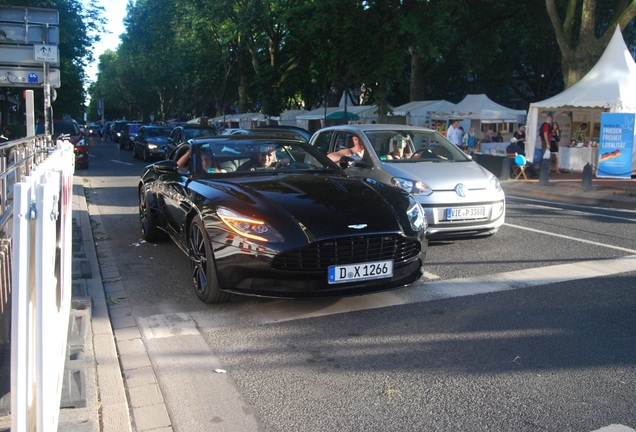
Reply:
x=494, y=184
x=249, y=227
x=416, y=215
x=152, y=146
x=412, y=186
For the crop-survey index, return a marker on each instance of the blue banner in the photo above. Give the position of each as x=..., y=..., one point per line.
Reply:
x=616, y=145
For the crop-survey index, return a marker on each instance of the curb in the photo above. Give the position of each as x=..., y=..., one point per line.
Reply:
x=112, y=403
x=130, y=396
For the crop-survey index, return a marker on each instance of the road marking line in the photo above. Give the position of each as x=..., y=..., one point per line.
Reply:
x=167, y=325
x=586, y=211
x=121, y=162
x=615, y=428
x=430, y=276
x=572, y=238
x=263, y=312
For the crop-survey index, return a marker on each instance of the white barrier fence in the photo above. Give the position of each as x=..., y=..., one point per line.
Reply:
x=41, y=290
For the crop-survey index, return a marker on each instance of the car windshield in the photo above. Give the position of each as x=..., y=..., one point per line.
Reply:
x=408, y=146
x=60, y=128
x=133, y=128
x=119, y=126
x=65, y=128
x=252, y=157
x=158, y=132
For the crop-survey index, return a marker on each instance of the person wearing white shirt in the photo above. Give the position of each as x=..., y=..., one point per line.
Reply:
x=454, y=133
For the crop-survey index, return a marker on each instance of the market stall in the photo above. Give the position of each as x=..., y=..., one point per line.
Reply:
x=424, y=113
x=610, y=86
x=575, y=158
x=484, y=112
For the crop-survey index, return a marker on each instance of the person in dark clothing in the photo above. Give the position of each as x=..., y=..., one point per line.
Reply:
x=520, y=136
x=514, y=148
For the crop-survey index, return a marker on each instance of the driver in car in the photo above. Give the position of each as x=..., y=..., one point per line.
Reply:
x=265, y=158
x=356, y=150
x=401, y=148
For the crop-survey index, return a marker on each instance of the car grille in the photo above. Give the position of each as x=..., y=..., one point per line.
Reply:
x=349, y=250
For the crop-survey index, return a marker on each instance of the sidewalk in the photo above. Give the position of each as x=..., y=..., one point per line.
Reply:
x=129, y=397
x=110, y=405
x=569, y=187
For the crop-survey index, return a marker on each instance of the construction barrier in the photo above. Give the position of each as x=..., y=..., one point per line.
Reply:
x=41, y=290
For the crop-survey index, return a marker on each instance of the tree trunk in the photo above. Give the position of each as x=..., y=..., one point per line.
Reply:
x=579, y=53
x=417, y=92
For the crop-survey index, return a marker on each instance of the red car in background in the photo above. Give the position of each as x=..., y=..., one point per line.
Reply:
x=70, y=130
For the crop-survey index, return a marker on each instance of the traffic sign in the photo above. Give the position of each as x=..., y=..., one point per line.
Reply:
x=29, y=15
x=32, y=34
x=24, y=55
x=46, y=53
x=27, y=77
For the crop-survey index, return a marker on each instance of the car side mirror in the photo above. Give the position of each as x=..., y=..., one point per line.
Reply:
x=166, y=167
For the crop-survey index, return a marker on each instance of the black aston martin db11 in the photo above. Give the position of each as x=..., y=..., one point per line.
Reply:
x=274, y=217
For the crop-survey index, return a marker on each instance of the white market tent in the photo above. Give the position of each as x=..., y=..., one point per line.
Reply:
x=418, y=113
x=244, y=120
x=365, y=114
x=480, y=107
x=289, y=117
x=609, y=86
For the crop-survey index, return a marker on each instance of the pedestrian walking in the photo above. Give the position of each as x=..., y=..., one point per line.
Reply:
x=108, y=133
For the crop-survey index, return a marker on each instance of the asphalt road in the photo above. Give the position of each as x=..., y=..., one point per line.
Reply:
x=531, y=329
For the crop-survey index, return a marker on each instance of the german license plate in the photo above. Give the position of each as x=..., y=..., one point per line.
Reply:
x=362, y=271
x=465, y=213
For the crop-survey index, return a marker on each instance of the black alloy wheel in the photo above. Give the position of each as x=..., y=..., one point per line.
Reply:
x=147, y=219
x=204, y=276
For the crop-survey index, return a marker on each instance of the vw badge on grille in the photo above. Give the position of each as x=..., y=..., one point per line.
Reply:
x=358, y=226
x=460, y=189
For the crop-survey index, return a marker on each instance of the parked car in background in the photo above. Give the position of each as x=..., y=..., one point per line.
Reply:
x=117, y=128
x=68, y=129
x=290, y=130
x=150, y=142
x=460, y=197
x=235, y=131
x=128, y=134
x=93, y=129
x=183, y=133
x=274, y=217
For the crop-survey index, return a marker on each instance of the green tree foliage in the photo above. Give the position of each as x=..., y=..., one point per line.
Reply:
x=187, y=58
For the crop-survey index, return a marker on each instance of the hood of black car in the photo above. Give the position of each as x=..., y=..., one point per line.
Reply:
x=325, y=206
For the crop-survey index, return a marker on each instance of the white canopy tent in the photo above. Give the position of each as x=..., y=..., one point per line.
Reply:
x=288, y=117
x=364, y=114
x=419, y=113
x=480, y=107
x=609, y=86
x=244, y=120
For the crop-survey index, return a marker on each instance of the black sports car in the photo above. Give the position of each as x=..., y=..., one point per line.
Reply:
x=274, y=217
